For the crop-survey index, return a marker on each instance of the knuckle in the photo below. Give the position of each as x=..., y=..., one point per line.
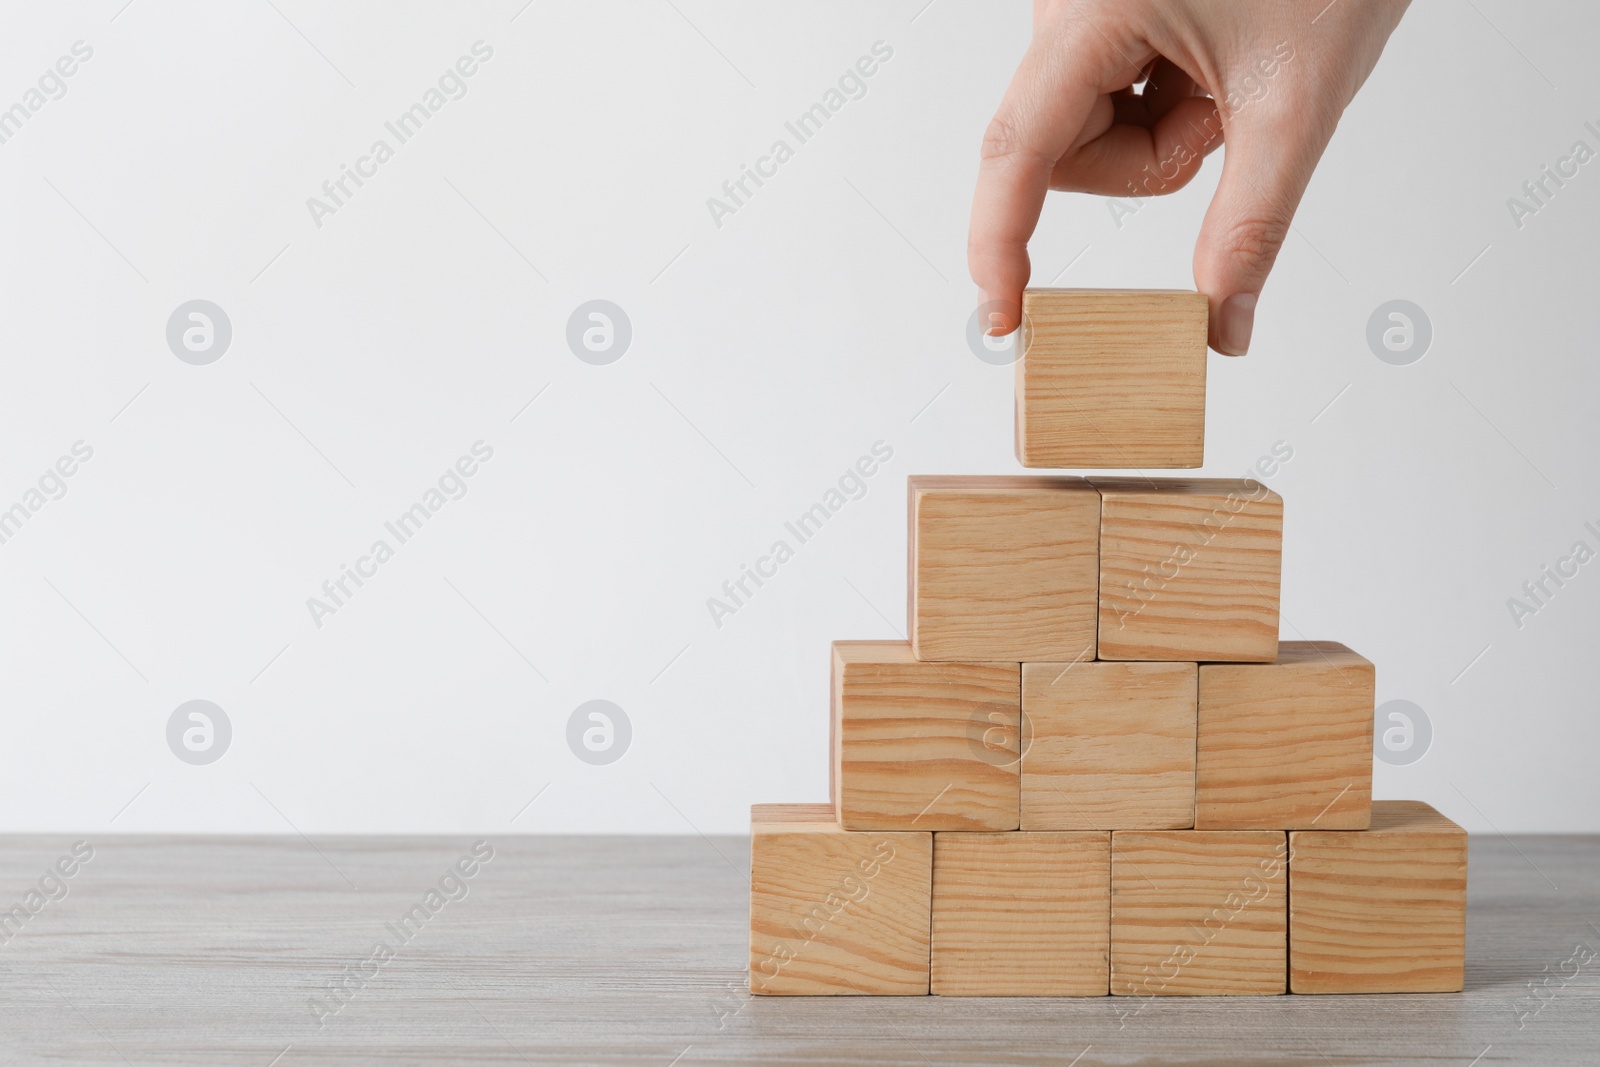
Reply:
x=1003, y=139
x=1255, y=238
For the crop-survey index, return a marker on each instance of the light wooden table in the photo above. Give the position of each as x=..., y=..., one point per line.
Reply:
x=632, y=951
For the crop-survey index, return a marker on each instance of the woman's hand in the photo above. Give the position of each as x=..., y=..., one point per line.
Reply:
x=1271, y=77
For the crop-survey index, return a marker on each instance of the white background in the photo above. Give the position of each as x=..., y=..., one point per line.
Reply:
x=768, y=354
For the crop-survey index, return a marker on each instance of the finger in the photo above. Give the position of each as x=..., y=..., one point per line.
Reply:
x=1051, y=97
x=1269, y=162
x=1130, y=160
x=1102, y=117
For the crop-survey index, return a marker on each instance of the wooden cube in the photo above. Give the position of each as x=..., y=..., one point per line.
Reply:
x=1003, y=569
x=1108, y=746
x=923, y=746
x=1112, y=378
x=1021, y=915
x=1382, y=910
x=1198, y=912
x=833, y=911
x=1189, y=569
x=1286, y=745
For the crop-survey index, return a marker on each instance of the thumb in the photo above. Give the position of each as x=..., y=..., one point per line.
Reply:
x=1268, y=163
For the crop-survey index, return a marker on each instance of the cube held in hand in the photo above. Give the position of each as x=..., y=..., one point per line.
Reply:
x=1112, y=379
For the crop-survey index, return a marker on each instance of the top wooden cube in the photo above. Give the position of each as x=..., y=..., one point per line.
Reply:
x=1112, y=378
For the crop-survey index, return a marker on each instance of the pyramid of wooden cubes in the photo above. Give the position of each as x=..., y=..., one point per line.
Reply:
x=1093, y=768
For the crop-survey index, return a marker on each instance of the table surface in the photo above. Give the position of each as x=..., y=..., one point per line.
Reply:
x=628, y=950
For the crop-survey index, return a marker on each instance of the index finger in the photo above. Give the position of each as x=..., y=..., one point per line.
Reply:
x=1042, y=114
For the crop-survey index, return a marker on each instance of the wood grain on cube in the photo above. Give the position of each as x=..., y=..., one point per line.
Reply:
x=1021, y=914
x=1108, y=746
x=1003, y=568
x=1112, y=379
x=1189, y=569
x=923, y=746
x=1286, y=745
x=1198, y=913
x=833, y=911
x=1382, y=910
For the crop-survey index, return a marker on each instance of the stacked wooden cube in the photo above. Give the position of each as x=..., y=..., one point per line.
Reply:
x=1094, y=768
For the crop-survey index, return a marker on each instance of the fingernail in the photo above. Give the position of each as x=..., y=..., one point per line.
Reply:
x=995, y=321
x=1236, y=321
